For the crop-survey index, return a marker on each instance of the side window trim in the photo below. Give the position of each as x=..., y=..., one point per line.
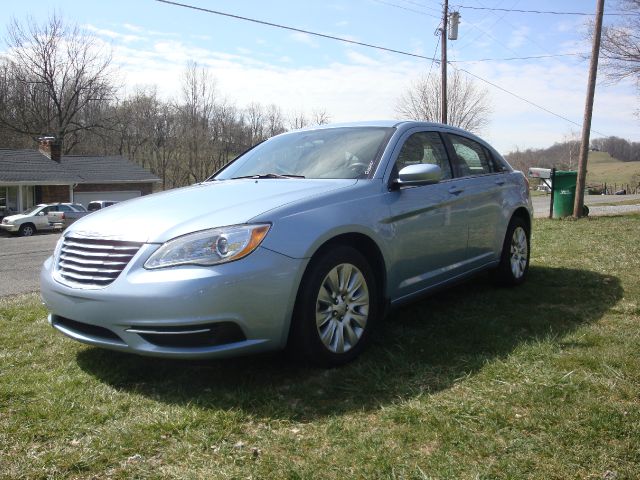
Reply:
x=454, y=172
x=455, y=160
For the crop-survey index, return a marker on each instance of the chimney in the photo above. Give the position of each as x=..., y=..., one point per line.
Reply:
x=50, y=147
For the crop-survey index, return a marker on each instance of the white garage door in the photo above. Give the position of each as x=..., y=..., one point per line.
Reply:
x=85, y=197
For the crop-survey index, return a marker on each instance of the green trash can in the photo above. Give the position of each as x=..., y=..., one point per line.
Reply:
x=564, y=193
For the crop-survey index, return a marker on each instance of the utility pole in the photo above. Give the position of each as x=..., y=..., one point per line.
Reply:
x=578, y=205
x=443, y=63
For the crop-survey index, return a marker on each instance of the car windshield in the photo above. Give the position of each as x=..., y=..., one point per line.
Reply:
x=32, y=211
x=347, y=152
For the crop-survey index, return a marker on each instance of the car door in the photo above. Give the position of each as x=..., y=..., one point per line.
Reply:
x=483, y=183
x=42, y=219
x=428, y=222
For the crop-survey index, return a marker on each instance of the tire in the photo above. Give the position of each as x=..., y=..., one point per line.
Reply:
x=336, y=310
x=26, y=230
x=516, y=250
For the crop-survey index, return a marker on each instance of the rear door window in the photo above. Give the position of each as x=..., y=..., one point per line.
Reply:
x=471, y=157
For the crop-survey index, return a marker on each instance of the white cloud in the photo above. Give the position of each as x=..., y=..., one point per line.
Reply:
x=359, y=58
x=133, y=28
x=205, y=38
x=366, y=86
x=304, y=38
x=519, y=37
x=112, y=34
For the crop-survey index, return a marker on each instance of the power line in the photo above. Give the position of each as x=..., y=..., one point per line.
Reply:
x=422, y=5
x=383, y=2
x=346, y=40
x=546, y=12
x=400, y=52
x=540, y=107
x=434, y=57
x=484, y=32
x=503, y=17
x=294, y=29
x=533, y=57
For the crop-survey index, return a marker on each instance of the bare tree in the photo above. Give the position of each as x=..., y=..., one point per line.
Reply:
x=320, y=117
x=55, y=80
x=255, y=119
x=468, y=104
x=297, y=120
x=197, y=113
x=275, y=121
x=620, y=45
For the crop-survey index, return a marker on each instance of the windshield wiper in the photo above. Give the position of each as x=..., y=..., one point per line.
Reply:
x=267, y=175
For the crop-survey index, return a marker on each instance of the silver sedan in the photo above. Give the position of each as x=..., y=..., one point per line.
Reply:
x=304, y=241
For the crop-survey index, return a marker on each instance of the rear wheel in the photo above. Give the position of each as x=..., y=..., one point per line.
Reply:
x=336, y=309
x=26, y=230
x=514, y=261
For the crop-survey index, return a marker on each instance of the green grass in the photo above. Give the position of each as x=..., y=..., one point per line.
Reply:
x=602, y=168
x=477, y=382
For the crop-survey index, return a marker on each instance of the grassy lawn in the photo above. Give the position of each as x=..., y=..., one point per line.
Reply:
x=541, y=381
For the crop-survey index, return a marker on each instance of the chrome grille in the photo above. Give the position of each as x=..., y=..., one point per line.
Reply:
x=93, y=262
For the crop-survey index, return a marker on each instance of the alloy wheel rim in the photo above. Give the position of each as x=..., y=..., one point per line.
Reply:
x=519, y=252
x=342, y=308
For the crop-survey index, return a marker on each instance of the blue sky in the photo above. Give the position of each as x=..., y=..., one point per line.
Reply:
x=152, y=43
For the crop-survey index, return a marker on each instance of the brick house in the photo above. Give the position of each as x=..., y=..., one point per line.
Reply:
x=30, y=177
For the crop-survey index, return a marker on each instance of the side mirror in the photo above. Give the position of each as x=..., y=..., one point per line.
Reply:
x=418, y=174
x=41, y=214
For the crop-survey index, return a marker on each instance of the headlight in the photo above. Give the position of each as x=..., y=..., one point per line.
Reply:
x=56, y=252
x=209, y=247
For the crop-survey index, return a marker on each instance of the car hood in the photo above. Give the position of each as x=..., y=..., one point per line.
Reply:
x=13, y=218
x=162, y=216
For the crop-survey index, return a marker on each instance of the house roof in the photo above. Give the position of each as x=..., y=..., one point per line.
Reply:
x=33, y=166
x=113, y=168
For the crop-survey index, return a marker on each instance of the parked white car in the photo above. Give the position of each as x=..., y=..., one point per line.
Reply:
x=40, y=218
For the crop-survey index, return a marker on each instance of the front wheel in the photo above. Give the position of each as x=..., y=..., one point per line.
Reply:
x=336, y=309
x=26, y=230
x=514, y=260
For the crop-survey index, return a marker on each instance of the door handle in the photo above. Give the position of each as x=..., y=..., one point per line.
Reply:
x=500, y=181
x=456, y=190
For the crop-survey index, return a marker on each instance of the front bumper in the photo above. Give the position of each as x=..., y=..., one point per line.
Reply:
x=246, y=305
x=9, y=227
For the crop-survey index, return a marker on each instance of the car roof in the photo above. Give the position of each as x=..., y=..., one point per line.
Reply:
x=400, y=124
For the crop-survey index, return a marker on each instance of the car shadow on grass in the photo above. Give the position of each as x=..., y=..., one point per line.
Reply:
x=422, y=348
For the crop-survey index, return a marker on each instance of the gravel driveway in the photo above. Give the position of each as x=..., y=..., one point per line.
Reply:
x=20, y=261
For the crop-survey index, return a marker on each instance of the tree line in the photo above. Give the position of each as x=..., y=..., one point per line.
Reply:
x=564, y=155
x=57, y=80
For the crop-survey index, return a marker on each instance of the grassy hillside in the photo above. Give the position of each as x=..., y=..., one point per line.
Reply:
x=602, y=168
